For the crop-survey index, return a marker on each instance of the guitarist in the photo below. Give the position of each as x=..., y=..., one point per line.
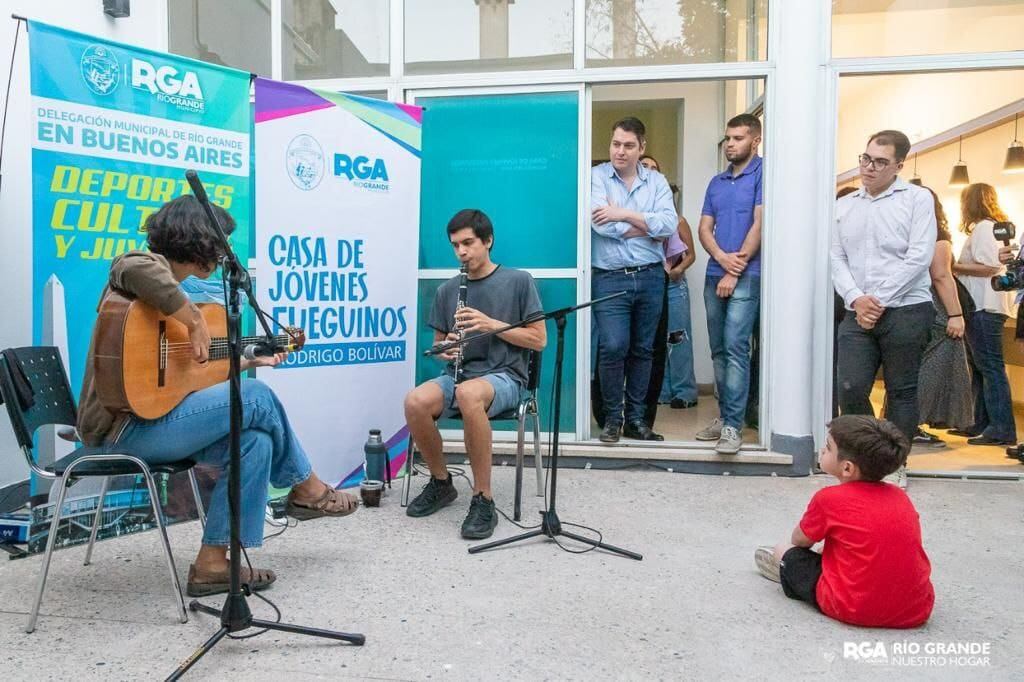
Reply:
x=182, y=243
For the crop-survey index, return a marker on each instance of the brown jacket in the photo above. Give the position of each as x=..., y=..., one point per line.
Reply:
x=144, y=276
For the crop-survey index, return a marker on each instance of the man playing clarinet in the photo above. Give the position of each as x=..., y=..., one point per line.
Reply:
x=492, y=372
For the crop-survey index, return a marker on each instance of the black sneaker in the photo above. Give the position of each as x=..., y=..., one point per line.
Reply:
x=481, y=519
x=435, y=495
x=680, y=404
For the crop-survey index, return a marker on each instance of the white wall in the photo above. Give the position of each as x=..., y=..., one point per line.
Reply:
x=792, y=235
x=144, y=27
x=921, y=105
x=909, y=27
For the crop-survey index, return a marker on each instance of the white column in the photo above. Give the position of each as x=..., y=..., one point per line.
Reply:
x=796, y=140
x=494, y=28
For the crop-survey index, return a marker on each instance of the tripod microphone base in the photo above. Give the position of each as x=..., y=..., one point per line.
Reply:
x=550, y=527
x=236, y=616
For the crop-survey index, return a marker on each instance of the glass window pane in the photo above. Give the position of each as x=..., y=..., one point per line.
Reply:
x=644, y=32
x=888, y=28
x=229, y=32
x=334, y=38
x=459, y=36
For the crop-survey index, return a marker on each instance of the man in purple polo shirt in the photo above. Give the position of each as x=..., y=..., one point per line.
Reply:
x=730, y=230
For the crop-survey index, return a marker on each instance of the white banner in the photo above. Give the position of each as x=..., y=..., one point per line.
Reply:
x=337, y=224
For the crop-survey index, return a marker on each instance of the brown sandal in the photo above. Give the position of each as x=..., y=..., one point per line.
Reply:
x=205, y=584
x=331, y=503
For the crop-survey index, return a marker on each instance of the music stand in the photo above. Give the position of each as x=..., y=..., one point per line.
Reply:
x=235, y=614
x=551, y=525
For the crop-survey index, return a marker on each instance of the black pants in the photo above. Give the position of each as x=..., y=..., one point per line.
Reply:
x=896, y=343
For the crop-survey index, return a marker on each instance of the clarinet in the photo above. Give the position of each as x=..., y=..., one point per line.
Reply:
x=463, y=286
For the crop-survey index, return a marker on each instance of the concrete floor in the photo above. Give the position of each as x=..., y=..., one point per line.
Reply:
x=694, y=608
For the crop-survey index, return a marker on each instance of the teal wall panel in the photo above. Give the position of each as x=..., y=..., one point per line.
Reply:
x=516, y=158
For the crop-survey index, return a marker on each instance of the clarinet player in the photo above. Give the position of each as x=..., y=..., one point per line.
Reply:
x=486, y=379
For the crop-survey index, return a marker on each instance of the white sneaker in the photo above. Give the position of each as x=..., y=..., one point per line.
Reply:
x=898, y=477
x=730, y=442
x=712, y=431
x=767, y=564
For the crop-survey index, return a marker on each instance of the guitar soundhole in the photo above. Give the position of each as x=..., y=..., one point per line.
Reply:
x=162, y=352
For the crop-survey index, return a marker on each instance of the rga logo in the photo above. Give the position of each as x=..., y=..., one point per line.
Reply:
x=869, y=652
x=180, y=88
x=100, y=69
x=304, y=162
x=363, y=172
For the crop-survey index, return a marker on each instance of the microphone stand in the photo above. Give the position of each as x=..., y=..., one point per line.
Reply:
x=550, y=525
x=235, y=614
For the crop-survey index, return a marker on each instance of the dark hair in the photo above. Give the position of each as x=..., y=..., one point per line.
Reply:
x=632, y=124
x=746, y=120
x=876, y=446
x=843, y=191
x=648, y=156
x=180, y=232
x=942, y=233
x=895, y=139
x=475, y=219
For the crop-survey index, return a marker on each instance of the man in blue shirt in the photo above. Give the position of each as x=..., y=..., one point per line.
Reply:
x=730, y=231
x=632, y=213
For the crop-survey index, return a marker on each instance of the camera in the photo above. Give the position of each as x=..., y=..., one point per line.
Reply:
x=1013, y=278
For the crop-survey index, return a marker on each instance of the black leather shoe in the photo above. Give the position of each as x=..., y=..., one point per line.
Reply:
x=641, y=431
x=963, y=433
x=985, y=440
x=610, y=434
x=680, y=404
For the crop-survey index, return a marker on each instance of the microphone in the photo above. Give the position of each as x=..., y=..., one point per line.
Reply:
x=265, y=349
x=197, y=186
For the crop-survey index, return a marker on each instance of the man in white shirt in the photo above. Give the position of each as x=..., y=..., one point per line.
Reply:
x=882, y=245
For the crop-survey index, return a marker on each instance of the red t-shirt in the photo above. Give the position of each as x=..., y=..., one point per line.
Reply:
x=874, y=571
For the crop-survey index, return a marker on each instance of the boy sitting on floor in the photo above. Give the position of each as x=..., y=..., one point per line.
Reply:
x=873, y=570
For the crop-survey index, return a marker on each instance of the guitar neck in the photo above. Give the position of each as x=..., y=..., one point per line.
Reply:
x=220, y=350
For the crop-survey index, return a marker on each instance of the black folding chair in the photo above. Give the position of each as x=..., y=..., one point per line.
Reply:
x=527, y=407
x=37, y=393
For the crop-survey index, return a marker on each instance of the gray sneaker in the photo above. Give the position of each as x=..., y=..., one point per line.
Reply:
x=767, y=564
x=712, y=431
x=730, y=442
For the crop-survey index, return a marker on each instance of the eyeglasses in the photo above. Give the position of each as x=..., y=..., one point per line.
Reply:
x=876, y=164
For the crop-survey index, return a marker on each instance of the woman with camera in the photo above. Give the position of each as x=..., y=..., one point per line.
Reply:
x=979, y=262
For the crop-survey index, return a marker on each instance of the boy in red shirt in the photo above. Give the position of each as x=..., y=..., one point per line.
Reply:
x=873, y=570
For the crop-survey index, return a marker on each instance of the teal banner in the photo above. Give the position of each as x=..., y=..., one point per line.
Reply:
x=114, y=128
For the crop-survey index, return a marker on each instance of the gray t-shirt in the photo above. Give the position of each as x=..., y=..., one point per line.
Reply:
x=507, y=295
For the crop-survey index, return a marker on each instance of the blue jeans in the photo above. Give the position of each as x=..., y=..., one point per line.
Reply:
x=626, y=327
x=730, y=324
x=197, y=429
x=993, y=406
x=679, y=381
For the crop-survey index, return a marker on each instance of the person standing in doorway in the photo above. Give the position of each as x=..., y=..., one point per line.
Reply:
x=730, y=231
x=883, y=242
x=979, y=261
x=632, y=213
x=676, y=385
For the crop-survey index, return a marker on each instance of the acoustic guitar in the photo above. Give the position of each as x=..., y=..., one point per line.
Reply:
x=143, y=360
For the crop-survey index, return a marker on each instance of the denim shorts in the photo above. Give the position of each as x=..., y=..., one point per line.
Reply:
x=507, y=393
